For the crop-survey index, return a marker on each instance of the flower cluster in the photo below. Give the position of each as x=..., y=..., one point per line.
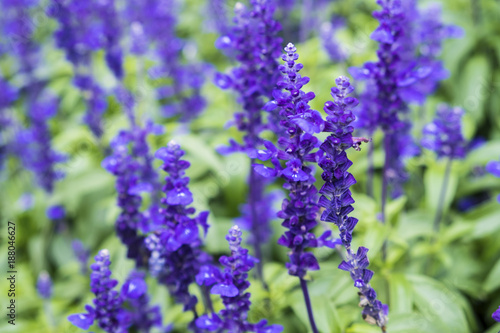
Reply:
x=231, y=285
x=107, y=309
x=118, y=312
x=299, y=123
x=336, y=195
x=44, y=285
x=34, y=144
x=175, y=245
x=444, y=134
x=154, y=23
x=253, y=41
x=133, y=168
x=83, y=29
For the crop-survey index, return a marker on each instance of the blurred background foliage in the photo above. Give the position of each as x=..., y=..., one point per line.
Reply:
x=451, y=285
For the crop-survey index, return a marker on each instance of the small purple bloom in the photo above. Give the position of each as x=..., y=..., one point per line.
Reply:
x=444, y=134
x=44, y=285
x=56, y=212
x=231, y=285
x=81, y=253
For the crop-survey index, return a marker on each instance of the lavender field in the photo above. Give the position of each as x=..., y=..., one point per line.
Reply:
x=263, y=166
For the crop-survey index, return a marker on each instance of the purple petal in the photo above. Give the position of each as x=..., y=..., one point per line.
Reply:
x=134, y=288
x=493, y=167
x=228, y=290
x=179, y=197
x=264, y=171
x=81, y=320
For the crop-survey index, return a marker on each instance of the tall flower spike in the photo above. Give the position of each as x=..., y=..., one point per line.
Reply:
x=154, y=23
x=296, y=142
x=253, y=81
x=8, y=95
x=336, y=195
x=231, y=286
x=81, y=32
x=34, y=145
x=131, y=163
x=176, y=256
x=444, y=136
x=107, y=310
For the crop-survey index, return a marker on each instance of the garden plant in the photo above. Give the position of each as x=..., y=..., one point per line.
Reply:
x=250, y=166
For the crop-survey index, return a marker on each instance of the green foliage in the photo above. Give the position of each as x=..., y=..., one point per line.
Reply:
x=444, y=282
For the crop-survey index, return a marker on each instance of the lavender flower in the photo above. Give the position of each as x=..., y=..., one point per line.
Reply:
x=81, y=253
x=143, y=316
x=253, y=41
x=327, y=34
x=444, y=134
x=7, y=96
x=44, y=285
x=337, y=199
x=127, y=167
x=86, y=27
x=107, y=309
x=56, y=212
x=82, y=32
x=493, y=167
x=175, y=246
x=496, y=315
x=155, y=22
x=296, y=142
x=34, y=145
x=232, y=286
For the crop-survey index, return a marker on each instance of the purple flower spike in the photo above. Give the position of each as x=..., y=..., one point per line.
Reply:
x=254, y=43
x=296, y=144
x=336, y=195
x=44, y=285
x=232, y=286
x=444, y=134
x=34, y=145
x=175, y=245
x=107, y=309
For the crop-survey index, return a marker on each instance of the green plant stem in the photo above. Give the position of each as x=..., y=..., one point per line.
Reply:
x=442, y=195
x=384, y=192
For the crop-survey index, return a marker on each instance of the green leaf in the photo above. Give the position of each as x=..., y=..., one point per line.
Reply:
x=492, y=281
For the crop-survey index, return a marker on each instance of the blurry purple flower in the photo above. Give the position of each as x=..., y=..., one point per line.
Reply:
x=107, y=309
x=34, y=144
x=496, y=315
x=44, y=285
x=56, y=212
x=444, y=134
x=81, y=253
